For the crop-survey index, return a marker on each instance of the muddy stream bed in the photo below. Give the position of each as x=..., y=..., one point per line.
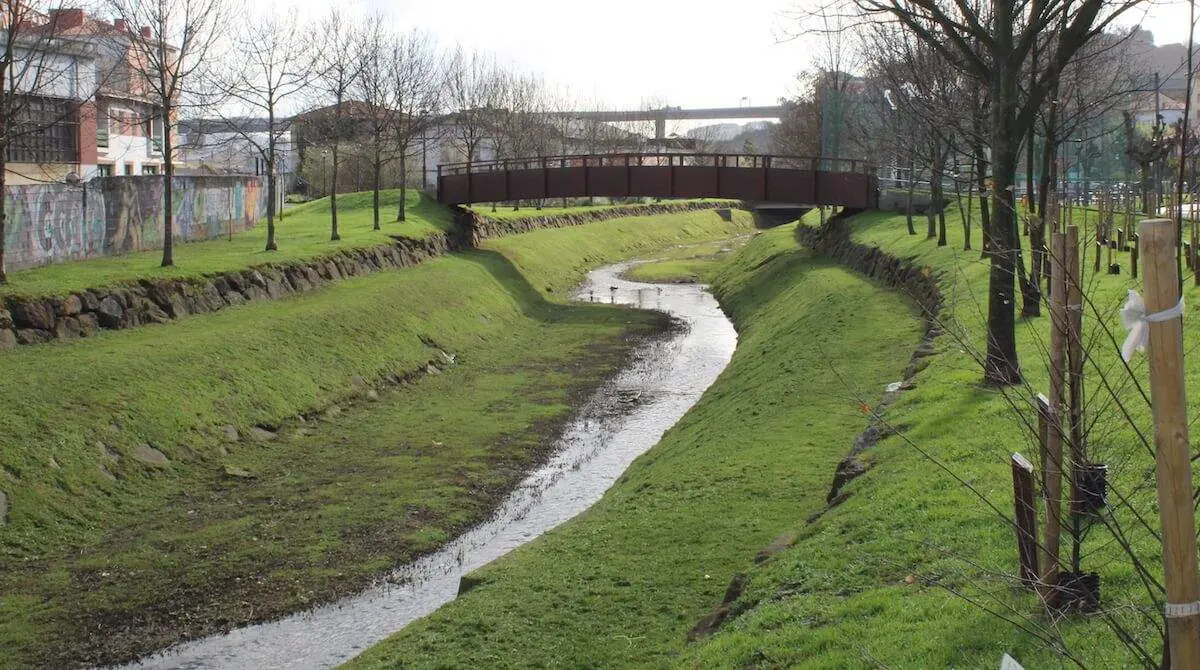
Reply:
x=623, y=419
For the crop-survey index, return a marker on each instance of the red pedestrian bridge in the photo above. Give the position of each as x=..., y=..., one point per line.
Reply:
x=749, y=177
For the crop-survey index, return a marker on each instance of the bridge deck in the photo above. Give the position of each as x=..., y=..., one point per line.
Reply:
x=787, y=179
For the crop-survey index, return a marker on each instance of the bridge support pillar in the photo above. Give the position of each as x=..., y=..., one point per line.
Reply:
x=660, y=128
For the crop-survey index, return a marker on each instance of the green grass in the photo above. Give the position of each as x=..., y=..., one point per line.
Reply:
x=913, y=570
x=302, y=234
x=883, y=580
x=104, y=556
x=623, y=583
x=687, y=264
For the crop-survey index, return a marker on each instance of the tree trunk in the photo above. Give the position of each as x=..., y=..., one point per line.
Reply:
x=1001, y=366
x=1046, y=182
x=1031, y=292
x=272, y=194
x=3, y=218
x=931, y=213
x=935, y=187
x=969, y=208
x=271, y=197
x=964, y=213
x=400, y=214
x=912, y=185
x=376, y=171
x=168, y=257
x=333, y=226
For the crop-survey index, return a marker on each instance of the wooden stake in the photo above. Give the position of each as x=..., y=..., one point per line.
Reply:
x=1025, y=516
x=1173, y=467
x=1052, y=473
x=1077, y=457
x=1042, y=403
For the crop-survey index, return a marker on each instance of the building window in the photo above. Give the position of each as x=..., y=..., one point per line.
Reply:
x=102, y=128
x=104, y=170
x=156, y=134
x=149, y=169
x=130, y=169
x=45, y=131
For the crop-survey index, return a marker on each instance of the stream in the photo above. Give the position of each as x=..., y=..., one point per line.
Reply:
x=623, y=419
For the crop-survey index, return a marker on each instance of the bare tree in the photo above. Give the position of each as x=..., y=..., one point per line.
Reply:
x=373, y=88
x=270, y=66
x=992, y=42
x=799, y=129
x=415, y=77
x=174, y=45
x=337, y=73
x=596, y=137
x=474, y=91
x=935, y=100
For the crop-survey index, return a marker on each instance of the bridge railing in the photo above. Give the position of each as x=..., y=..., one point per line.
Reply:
x=814, y=163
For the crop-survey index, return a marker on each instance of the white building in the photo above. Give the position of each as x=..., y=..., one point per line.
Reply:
x=128, y=138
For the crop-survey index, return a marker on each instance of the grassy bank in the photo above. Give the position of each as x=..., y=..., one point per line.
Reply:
x=107, y=552
x=622, y=584
x=693, y=263
x=303, y=233
x=915, y=569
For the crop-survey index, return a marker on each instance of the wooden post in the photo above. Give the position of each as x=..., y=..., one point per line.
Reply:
x=1075, y=344
x=1043, y=411
x=1172, y=463
x=1052, y=473
x=1025, y=517
x=1078, y=452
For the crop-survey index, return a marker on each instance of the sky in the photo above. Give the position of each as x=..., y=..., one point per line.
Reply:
x=627, y=53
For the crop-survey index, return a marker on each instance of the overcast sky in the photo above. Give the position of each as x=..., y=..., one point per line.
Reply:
x=692, y=53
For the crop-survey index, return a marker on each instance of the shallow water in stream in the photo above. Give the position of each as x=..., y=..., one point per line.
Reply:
x=623, y=419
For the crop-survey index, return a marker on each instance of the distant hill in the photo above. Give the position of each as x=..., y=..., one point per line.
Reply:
x=1166, y=59
x=733, y=137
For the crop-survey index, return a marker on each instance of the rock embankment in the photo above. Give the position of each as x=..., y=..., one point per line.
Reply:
x=920, y=284
x=480, y=227
x=32, y=320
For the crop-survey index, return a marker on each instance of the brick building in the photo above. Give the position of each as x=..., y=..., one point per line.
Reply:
x=90, y=109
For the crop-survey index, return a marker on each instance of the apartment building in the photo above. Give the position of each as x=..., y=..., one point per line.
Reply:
x=89, y=109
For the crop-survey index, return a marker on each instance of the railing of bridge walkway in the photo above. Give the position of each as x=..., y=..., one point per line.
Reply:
x=814, y=163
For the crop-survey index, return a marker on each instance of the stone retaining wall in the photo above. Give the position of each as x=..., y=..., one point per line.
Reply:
x=481, y=227
x=31, y=320
x=919, y=284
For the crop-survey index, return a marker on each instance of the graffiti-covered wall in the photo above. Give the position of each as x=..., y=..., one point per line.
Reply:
x=48, y=223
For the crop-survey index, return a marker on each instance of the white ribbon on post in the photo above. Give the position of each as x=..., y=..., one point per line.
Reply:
x=1137, y=322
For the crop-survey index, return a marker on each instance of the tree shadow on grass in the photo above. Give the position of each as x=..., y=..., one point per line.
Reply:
x=534, y=304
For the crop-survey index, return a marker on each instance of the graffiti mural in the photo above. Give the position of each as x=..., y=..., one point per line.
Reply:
x=50, y=223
